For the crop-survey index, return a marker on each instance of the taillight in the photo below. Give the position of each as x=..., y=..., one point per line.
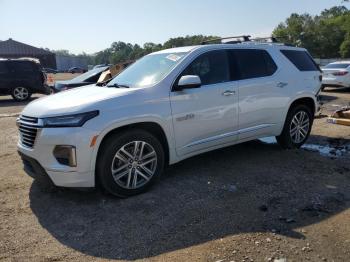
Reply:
x=320, y=78
x=342, y=73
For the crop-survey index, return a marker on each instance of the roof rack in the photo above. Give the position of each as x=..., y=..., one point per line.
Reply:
x=270, y=39
x=246, y=38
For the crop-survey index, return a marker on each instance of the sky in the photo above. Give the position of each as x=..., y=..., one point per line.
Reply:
x=91, y=26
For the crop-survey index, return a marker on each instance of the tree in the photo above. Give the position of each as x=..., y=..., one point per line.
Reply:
x=324, y=35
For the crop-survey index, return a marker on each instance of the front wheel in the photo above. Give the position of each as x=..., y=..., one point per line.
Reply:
x=21, y=94
x=297, y=127
x=130, y=162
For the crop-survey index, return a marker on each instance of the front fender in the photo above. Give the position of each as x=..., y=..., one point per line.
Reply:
x=165, y=124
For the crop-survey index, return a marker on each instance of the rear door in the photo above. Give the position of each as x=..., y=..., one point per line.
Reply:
x=27, y=74
x=206, y=117
x=261, y=97
x=5, y=79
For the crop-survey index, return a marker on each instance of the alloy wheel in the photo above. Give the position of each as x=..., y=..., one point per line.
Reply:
x=299, y=127
x=134, y=164
x=21, y=93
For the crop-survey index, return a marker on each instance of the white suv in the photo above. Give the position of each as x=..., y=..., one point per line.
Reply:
x=168, y=106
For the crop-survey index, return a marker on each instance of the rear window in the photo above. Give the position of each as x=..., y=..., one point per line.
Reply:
x=301, y=59
x=342, y=65
x=252, y=63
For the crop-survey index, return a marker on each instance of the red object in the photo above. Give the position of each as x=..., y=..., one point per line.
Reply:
x=342, y=73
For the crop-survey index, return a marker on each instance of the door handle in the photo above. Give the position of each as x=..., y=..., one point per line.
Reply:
x=229, y=93
x=282, y=84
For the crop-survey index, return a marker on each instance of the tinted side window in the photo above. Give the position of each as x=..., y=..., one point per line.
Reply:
x=253, y=63
x=22, y=66
x=271, y=67
x=301, y=59
x=212, y=67
x=3, y=68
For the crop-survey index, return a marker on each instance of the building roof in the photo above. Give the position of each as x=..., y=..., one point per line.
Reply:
x=12, y=47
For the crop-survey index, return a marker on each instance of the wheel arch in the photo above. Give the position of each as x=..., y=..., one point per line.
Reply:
x=308, y=100
x=152, y=127
x=305, y=100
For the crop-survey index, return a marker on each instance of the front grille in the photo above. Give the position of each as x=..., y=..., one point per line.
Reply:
x=28, y=128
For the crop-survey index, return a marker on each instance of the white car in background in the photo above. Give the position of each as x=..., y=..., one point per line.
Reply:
x=336, y=74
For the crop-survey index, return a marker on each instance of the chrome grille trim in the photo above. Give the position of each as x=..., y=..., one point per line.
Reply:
x=29, y=119
x=28, y=128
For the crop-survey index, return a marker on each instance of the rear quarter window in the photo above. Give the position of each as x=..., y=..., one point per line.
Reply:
x=301, y=59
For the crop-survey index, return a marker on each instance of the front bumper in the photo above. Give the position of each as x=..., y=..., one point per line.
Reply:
x=39, y=160
x=35, y=170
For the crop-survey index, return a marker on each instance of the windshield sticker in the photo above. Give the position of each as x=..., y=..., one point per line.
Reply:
x=173, y=57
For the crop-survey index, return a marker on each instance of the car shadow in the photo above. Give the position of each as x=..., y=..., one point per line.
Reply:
x=324, y=98
x=252, y=187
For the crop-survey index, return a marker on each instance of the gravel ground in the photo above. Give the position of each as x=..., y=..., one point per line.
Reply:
x=250, y=202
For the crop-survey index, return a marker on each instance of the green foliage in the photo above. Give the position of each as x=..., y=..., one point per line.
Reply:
x=121, y=52
x=325, y=36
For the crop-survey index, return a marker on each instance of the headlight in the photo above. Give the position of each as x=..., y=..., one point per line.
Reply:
x=75, y=120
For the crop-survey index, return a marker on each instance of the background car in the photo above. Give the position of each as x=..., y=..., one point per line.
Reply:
x=101, y=65
x=88, y=78
x=50, y=70
x=75, y=70
x=22, y=78
x=336, y=74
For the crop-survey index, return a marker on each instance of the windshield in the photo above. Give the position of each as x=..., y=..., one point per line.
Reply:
x=337, y=66
x=88, y=74
x=147, y=71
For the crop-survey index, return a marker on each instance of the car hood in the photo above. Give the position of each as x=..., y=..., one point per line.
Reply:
x=73, y=101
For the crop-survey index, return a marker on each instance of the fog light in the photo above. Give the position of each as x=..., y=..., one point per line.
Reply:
x=65, y=155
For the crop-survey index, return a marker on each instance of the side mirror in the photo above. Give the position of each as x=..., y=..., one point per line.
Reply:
x=188, y=81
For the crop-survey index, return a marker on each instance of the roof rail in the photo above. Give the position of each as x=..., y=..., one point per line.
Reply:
x=270, y=39
x=245, y=38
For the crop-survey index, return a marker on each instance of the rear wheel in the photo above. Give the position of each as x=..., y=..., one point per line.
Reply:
x=129, y=163
x=21, y=94
x=297, y=127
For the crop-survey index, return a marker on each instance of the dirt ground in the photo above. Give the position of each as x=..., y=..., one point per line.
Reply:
x=250, y=202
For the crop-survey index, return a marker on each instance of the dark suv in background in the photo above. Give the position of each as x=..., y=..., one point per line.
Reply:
x=21, y=79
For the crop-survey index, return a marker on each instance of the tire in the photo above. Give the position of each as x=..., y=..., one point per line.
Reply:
x=117, y=153
x=21, y=93
x=294, y=134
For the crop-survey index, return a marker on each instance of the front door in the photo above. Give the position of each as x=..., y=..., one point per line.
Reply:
x=207, y=116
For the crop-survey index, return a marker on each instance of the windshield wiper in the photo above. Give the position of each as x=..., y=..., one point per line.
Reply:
x=118, y=85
